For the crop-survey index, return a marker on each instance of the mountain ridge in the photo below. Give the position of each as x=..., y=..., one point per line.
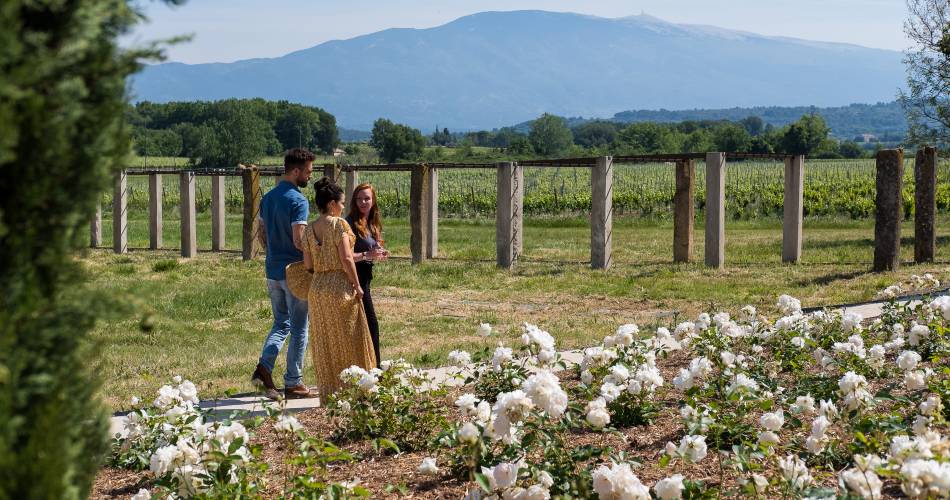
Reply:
x=495, y=68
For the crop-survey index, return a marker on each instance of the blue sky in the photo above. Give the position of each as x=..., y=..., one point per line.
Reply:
x=229, y=30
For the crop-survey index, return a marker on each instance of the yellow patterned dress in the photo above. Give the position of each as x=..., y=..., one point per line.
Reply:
x=339, y=335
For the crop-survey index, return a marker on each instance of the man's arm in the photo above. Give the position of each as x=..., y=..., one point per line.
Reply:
x=299, y=228
x=300, y=214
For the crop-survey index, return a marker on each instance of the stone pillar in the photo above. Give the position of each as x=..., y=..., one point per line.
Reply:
x=715, y=209
x=508, y=213
x=684, y=211
x=120, y=215
x=352, y=180
x=95, y=227
x=155, y=222
x=332, y=171
x=601, y=214
x=251, y=186
x=189, y=233
x=793, y=211
x=925, y=203
x=218, y=212
x=432, y=214
x=888, y=210
x=418, y=185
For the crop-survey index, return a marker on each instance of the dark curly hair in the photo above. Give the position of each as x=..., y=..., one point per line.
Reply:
x=327, y=191
x=297, y=158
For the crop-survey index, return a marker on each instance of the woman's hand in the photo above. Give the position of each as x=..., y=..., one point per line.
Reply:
x=375, y=255
x=358, y=291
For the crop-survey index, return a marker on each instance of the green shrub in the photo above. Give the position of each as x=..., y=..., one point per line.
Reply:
x=62, y=97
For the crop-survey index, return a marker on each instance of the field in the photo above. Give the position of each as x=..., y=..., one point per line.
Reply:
x=833, y=188
x=209, y=314
x=205, y=319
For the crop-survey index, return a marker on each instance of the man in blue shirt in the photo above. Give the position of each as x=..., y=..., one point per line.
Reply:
x=283, y=219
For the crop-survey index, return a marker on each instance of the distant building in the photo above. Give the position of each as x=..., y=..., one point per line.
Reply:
x=338, y=152
x=869, y=137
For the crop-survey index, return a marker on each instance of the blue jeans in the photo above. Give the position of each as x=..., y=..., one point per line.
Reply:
x=290, y=318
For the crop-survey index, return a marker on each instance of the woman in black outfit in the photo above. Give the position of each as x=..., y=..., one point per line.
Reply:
x=365, y=221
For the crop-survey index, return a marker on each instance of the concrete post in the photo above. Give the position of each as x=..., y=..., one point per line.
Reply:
x=155, y=222
x=352, y=180
x=601, y=214
x=189, y=233
x=508, y=214
x=925, y=203
x=888, y=210
x=120, y=215
x=418, y=185
x=218, y=213
x=251, y=186
x=684, y=211
x=432, y=214
x=95, y=227
x=793, y=212
x=715, y=209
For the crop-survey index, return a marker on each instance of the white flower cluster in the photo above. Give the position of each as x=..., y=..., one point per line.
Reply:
x=365, y=380
x=539, y=342
x=771, y=423
x=503, y=478
x=509, y=409
x=471, y=406
x=699, y=368
x=795, y=472
x=941, y=305
x=854, y=390
x=287, y=425
x=619, y=482
x=544, y=389
x=501, y=357
x=177, y=399
x=692, y=448
x=597, y=415
x=460, y=359
x=189, y=460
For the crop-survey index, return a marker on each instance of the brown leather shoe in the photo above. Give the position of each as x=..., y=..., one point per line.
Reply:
x=298, y=392
x=264, y=383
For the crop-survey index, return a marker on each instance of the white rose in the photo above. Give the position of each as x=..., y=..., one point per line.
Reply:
x=768, y=438
x=693, y=448
x=287, y=424
x=484, y=330
x=143, y=494
x=908, y=360
x=502, y=476
x=428, y=467
x=670, y=488
x=468, y=433
x=772, y=421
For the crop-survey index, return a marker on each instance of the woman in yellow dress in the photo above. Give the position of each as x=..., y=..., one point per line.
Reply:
x=339, y=335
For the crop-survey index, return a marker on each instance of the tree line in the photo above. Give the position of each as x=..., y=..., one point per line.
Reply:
x=226, y=132
x=551, y=136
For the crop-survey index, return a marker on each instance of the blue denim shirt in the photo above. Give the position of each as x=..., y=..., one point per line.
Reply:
x=281, y=209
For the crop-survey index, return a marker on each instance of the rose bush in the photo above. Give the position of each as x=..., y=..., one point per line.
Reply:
x=804, y=405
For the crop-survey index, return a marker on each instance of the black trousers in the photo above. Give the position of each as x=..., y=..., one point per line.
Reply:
x=365, y=274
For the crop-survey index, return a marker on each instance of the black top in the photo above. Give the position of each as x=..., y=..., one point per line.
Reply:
x=364, y=243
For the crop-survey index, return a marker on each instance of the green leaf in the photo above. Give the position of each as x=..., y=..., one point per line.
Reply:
x=483, y=481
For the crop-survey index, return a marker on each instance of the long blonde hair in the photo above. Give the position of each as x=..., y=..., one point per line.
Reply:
x=373, y=219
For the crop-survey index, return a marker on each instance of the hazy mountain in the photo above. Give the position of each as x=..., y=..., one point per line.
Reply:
x=496, y=68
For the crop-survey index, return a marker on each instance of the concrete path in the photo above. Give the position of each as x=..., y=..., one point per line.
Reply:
x=254, y=404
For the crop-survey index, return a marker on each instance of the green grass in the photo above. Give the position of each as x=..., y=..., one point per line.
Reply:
x=207, y=317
